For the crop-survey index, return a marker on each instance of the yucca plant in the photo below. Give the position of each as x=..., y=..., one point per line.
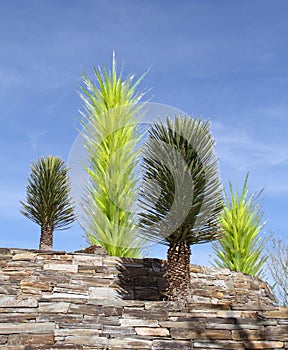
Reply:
x=110, y=131
x=48, y=201
x=241, y=247
x=181, y=194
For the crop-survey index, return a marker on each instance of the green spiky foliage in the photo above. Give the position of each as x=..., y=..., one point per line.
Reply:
x=181, y=194
x=48, y=202
x=110, y=130
x=241, y=247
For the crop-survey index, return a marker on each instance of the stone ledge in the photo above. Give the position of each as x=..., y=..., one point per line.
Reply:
x=59, y=300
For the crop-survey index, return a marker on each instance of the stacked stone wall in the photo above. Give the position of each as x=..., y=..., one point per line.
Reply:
x=60, y=300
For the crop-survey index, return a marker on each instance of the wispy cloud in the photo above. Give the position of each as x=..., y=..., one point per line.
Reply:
x=240, y=152
x=240, y=149
x=10, y=204
x=34, y=137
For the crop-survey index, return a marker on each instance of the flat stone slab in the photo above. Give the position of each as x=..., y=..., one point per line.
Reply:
x=24, y=256
x=61, y=267
x=35, y=328
x=17, y=301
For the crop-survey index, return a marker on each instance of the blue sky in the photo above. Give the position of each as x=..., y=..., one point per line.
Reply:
x=224, y=60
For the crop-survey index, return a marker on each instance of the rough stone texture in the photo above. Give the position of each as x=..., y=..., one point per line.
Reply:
x=57, y=300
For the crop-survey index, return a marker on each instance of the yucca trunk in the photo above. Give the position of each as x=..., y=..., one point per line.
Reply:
x=46, y=238
x=178, y=271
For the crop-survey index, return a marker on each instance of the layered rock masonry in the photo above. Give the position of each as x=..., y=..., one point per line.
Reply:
x=59, y=300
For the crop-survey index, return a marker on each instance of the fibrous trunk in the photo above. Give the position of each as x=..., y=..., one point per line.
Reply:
x=46, y=239
x=178, y=271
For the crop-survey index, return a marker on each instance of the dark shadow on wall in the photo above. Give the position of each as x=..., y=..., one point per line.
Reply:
x=248, y=331
x=225, y=327
x=141, y=279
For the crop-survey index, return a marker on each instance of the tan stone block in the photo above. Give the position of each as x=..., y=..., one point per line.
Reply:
x=36, y=328
x=155, y=332
x=178, y=333
x=87, y=340
x=178, y=324
x=201, y=299
x=64, y=296
x=24, y=256
x=85, y=270
x=60, y=257
x=150, y=314
x=102, y=293
x=85, y=309
x=31, y=339
x=16, y=274
x=18, y=301
x=206, y=307
x=112, y=311
x=240, y=285
x=159, y=344
x=62, y=320
x=117, y=332
x=31, y=291
x=250, y=306
x=61, y=267
x=87, y=260
x=17, y=317
x=134, y=322
x=216, y=334
x=53, y=307
x=218, y=295
x=264, y=345
x=220, y=344
x=70, y=288
x=85, y=332
x=281, y=312
x=195, y=269
x=101, y=321
x=129, y=343
x=33, y=286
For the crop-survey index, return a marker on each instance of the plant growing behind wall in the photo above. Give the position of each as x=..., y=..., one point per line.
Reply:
x=48, y=202
x=277, y=263
x=111, y=136
x=241, y=246
x=181, y=195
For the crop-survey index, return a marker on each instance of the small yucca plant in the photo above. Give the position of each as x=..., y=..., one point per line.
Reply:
x=241, y=247
x=110, y=131
x=48, y=201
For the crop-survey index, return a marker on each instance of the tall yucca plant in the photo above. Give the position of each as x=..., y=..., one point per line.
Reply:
x=181, y=194
x=48, y=201
x=241, y=247
x=111, y=136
